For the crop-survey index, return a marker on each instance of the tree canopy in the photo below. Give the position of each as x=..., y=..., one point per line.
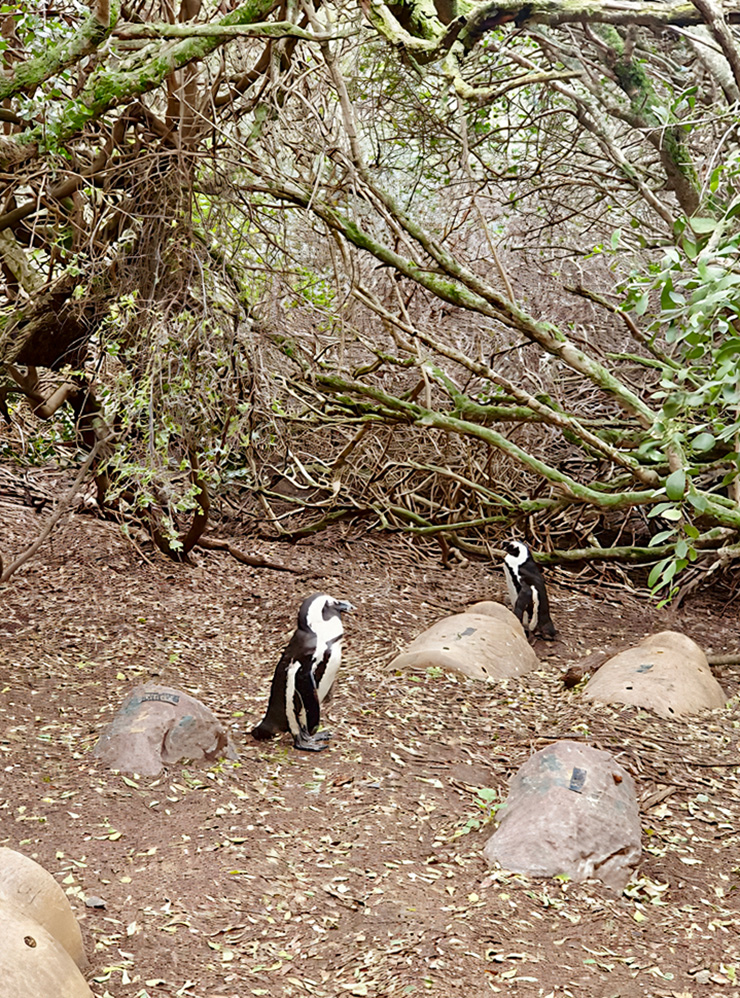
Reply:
x=450, y=266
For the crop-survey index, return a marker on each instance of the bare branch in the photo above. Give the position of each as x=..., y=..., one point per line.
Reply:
x=62, y=507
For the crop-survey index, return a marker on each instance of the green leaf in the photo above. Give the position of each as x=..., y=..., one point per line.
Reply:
x=657, y=571
x=669, y=573
x=698, y=502
x=663, y=535
x=731, y=394
x=673, y=405
x=488, y=794
x=675, y=485
x=690, y=248
x=674, y=513
x=703, y=224
x=703, y=442
x=650, y=450
x=642, y=304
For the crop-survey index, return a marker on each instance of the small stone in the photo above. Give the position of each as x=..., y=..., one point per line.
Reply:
x=91, y=901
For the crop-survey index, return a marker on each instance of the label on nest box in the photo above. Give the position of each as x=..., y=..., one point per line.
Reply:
x=159, y=698
x=577, y=780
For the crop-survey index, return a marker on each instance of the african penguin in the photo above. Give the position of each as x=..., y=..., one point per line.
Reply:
x=527, y=590
x=305, y=674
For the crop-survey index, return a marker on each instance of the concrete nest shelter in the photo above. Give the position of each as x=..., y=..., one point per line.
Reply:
x=41, y=953
x=485, y=642
x=571, y=809
x=666, y=672
x=157, y=726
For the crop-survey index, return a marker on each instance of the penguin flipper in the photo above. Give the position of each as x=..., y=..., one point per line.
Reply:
x=265, y=729
x=531, y=573
x=306, y=689
x=543, y=625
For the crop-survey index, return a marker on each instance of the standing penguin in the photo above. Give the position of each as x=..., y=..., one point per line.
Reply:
x=305, y=674
x=527, y=590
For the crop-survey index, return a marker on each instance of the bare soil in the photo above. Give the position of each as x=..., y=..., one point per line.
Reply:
x=356, y=871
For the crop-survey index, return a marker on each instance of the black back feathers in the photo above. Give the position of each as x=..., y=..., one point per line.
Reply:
x=305, y=674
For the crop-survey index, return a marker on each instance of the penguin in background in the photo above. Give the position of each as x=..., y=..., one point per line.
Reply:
x=305, y=674
x=527, y=591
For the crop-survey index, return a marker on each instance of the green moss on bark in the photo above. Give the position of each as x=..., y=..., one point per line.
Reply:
x=29, y=75
x=108, y=88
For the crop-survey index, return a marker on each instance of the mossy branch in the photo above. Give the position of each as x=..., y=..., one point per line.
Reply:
x=108, y=88
x=462, y=288
x=429, y=39
x=569, y=425
x=418, y=415
x=710, y=541
x=223, y=32
x=90, y=35
x=390, y=408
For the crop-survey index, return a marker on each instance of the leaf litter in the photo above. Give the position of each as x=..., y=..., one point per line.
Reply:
x=362, y=874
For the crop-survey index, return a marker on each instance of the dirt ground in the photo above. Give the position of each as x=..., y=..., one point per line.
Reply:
x=357, y=871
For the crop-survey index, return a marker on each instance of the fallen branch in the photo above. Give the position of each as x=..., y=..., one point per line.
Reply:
x=255, y=560
x=731, y=658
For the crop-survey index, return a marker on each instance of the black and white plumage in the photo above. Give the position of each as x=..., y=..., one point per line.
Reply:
x=527, y=590
x=305, y=674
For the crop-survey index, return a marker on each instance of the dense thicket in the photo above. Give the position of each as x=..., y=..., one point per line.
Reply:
x=448, y=266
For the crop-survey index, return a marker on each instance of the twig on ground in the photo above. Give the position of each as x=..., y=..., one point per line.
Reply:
x=255, y=560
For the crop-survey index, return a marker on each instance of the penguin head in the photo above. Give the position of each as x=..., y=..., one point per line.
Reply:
x=317, y=610
x=516, y=551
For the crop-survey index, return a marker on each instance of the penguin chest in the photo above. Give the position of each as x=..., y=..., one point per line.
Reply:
x=295, y=709
x=327, y=667
x=512, y=583
x=535, y=610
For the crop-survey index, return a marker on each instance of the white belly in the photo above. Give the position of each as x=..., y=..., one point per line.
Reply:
x=332, y=668
x=511, y=588
x=295, y=721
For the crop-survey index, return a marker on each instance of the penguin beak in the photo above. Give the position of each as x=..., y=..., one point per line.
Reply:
x=343, y=605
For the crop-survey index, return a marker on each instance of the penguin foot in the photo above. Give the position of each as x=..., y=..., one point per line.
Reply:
x=312, y=743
